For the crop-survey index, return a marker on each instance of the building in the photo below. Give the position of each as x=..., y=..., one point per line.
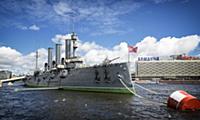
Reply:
x=5, y=74
x=168, y=69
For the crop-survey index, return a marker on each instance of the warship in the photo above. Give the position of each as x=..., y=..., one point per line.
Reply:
x=69, y=73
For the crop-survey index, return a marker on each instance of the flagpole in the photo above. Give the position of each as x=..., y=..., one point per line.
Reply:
x=131, y=49
x=128, y=57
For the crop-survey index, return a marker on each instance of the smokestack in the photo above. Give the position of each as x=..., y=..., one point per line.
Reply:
x=62, y=61
x=49, y=58
x=53, y=64
x=58, y=53
x=74, y=39
x=67, y=48
x=45, y=66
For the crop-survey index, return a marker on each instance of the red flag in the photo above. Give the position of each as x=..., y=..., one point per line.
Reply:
x=132, y=49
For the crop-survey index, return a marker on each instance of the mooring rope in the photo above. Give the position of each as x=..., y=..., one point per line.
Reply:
x=134, y=93
x=137, y=95
x=151, y=91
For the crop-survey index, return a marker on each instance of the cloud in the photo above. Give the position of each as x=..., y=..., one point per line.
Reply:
x=14, y=61
x=149, y=46
x=93, y=53
x=9, y=56
x=161, y=1
x=168, y=45
x=63, y=9
x=32, y=27
x=101, y=14
x=61, y=38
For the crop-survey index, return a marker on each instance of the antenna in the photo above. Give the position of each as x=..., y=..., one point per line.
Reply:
x=36, y=62
x=72, y=16
x=72, y=23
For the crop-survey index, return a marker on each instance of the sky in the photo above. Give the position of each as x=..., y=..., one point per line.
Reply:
x=105, y=28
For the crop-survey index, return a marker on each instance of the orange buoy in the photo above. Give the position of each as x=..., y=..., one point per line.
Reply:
x=181, y=100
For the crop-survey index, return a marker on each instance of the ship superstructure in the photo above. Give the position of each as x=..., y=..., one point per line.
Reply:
x=69, y=73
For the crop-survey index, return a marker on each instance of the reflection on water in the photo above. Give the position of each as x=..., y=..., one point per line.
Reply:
x=66, y=105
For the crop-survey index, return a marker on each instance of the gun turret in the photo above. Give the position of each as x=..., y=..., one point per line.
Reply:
x=107, y=61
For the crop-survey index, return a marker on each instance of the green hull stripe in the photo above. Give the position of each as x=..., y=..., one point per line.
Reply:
x=90, y=89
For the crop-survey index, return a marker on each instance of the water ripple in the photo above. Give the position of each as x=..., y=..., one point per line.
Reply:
x=62, y=105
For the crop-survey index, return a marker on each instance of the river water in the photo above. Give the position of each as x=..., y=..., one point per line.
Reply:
x=68, y=105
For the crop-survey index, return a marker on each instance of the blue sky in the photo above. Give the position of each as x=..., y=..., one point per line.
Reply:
x=29, y=24
x=105, y=29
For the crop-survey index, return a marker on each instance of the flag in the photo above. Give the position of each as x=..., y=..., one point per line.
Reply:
x=132, y=49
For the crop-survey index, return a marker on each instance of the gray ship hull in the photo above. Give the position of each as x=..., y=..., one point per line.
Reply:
x=101, y=78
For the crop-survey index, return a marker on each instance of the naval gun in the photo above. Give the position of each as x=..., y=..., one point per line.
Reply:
x=106, y=61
